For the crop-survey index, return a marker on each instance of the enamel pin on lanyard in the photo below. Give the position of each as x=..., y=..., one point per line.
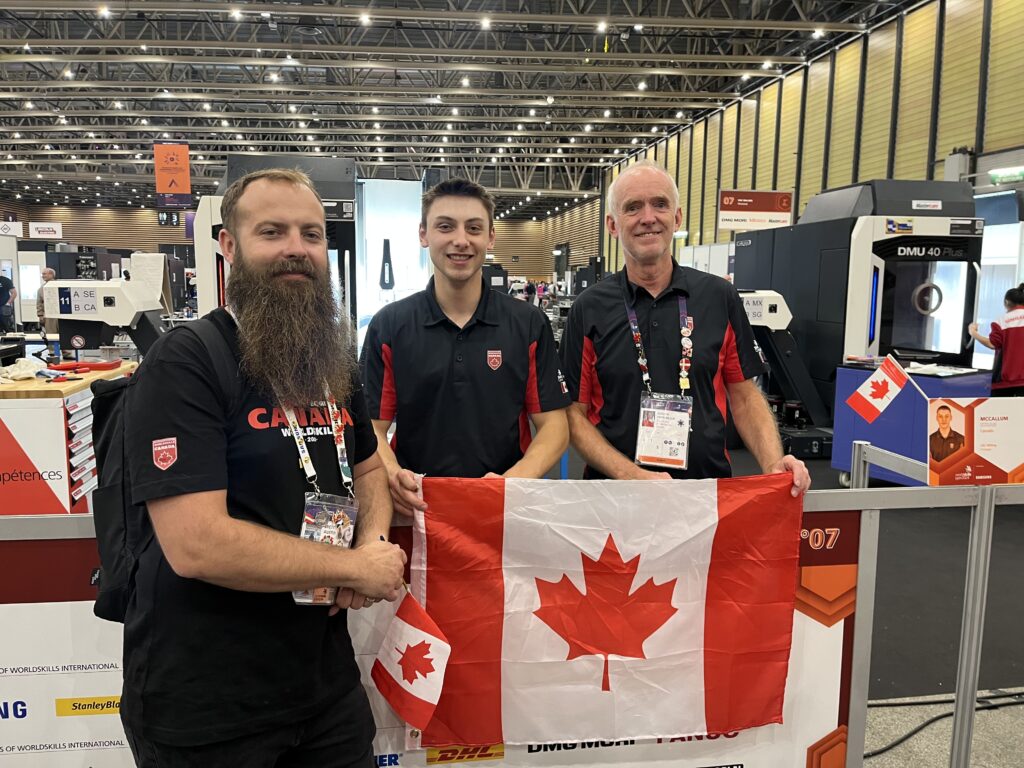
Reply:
x=663, y=428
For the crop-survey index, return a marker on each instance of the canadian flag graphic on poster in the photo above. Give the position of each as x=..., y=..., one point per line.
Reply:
x=878, y=390
x=607, y=610
x=409, y=669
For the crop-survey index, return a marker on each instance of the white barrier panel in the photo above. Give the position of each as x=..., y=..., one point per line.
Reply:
x=60, y=688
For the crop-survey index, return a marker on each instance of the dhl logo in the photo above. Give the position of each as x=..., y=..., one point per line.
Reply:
x=442, y=755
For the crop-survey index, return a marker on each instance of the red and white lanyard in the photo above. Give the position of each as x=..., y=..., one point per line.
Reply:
x=337, y=427
x=686, y=342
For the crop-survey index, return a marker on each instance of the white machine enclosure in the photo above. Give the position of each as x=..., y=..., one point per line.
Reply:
x=118, y=302
x=212, y=269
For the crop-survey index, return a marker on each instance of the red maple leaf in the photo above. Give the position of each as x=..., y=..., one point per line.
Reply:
x=879, y=389
x=607, y=619
x=414, y=661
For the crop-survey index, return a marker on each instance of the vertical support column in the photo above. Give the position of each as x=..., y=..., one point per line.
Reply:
x=863, y=621
x=979, y=551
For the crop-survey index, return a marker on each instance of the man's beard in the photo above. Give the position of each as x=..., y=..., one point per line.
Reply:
x=292, y=341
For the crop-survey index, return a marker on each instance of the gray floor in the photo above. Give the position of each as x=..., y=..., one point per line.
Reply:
x=918, y=604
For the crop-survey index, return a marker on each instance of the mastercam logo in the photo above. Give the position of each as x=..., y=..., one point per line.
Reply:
x=443, y=755
x=94, y=705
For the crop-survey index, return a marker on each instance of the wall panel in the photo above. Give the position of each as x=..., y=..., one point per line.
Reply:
x=958, y=86
x=727, y=173
x=844, y=115
x=874, y=139
x=915, y=107
x=713, y=139
x=1004, y=128
x=696, y=181
x=526, y=240
x=134, y=228
x=672, y=157
x=789, y=130
x=814, y=130
x=765, y=177
x=683, y=172
x=748, y=127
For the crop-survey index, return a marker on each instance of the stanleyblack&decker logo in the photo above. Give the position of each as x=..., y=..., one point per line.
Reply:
x=443, y=755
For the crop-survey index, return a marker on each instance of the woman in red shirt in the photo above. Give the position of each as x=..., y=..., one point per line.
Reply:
x=1007, y=338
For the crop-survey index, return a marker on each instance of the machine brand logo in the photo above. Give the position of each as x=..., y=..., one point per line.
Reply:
x=899, y=226
x=926, y=205
x=165, y=452
x=13, y=709
x=494, y=359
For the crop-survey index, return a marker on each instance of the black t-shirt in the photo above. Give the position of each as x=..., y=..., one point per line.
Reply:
x=600, y=360
x=6, y=285
x=204, y=663
x=461, y=397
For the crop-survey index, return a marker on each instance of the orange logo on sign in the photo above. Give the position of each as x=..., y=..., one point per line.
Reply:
x=172, y=172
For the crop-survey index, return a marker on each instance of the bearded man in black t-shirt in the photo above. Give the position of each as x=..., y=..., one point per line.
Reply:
x=221, y=666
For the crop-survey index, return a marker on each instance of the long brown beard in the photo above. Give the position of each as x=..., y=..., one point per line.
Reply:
x=291, y=338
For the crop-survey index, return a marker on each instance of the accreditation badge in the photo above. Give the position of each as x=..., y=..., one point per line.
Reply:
x=663, y=432
x=326, y=519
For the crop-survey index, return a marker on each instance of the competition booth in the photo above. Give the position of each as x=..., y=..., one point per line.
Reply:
x=60, y=677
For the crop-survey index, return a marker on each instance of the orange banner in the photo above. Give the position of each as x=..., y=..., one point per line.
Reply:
x=170, y=162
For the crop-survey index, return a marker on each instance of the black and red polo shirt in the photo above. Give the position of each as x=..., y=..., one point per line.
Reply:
x=1008, y=339
x=460, y=397
x=600, y=360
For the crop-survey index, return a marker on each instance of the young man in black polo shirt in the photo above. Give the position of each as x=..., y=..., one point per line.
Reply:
x=695, y=340
x=461, y=368
x=221, y=667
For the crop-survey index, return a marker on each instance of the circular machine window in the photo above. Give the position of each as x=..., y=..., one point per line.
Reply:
x=927, y=298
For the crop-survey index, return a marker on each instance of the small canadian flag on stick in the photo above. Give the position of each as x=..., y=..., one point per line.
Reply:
x=879, y=389
x=409, y=669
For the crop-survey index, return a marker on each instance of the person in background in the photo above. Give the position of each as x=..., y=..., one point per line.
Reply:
x=1007, y=339
x=47, y=326
x=662, y=331
x=460, y=369
x=222, y=668
x=8, y=293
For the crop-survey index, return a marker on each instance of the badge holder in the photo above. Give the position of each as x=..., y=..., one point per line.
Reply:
x=663, y=432
x=326, y=519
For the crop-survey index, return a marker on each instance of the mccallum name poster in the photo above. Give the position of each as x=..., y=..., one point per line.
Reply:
x=975, y=441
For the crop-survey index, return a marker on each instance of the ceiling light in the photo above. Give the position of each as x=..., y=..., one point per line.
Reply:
x=444, y=139
x=167, y=135
x=572, y=139
x=138, y=155
x=117, y=146
x=607, y=113
x=745, y=78
x=144, y=121
x=559, y=150
x=654, y=129
x=224, y=123
x=638, y=27
x=309, y=137
x=364, y=19
x=26, y=47
x=679, y=115
x=642, y=85
x=602, y=26
x=455, y=110
x=547, y=159
x=238, y=136
x=39, y=175
x=588, y=127
x=527, y=198
x=206, y=106
x=117, y=183
x=818, y=33
x=494, y=160
x=144, y=47
x=634, y=140
x=118, y=105
x=485, y=23
x=236, y=14
x=375, y=111
x=99, y=178
x=69, y=74
x=766, y=65
x=292, y=108
x=534, y=218
x=103, y=12
x=47, y=146
x=29, y=105
x=273, y=77
x=302, y=123
x=519, y=127
x=450, y=126
x=550, y=99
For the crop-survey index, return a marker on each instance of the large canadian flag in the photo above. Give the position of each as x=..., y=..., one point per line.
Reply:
x=607, y=610
x=878, y=390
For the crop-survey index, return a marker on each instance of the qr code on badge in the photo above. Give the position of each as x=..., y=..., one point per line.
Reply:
x=673, y=452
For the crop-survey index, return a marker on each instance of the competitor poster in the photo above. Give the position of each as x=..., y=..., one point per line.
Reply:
x=975, y=441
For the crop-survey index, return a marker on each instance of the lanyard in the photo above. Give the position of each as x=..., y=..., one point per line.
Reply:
x=686, y=343
x=339, y=444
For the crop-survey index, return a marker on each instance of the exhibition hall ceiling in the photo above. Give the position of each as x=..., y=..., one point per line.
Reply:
x=519, y=95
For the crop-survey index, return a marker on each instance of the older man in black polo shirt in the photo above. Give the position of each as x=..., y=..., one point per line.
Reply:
x=460, y=368
x=670, y=340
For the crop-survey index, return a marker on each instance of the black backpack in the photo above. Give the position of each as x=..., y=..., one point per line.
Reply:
x=123, y=529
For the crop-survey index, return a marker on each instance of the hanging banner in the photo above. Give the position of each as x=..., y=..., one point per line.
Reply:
x=173, y=182
x=746, y=210
x=975, y=442
x=12, y=228
x=50, y=230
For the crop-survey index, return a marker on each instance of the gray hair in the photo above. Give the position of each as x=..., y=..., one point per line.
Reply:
x=611, y=201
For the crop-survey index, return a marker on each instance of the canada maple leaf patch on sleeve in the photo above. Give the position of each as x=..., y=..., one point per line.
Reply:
x=608, y=619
